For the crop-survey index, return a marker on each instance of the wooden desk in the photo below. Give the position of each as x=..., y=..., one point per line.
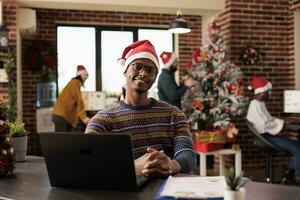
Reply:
x=294, y=128
x=31, y=182
x=268, y=191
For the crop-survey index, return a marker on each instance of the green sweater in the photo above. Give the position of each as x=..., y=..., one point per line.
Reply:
x=168, y=90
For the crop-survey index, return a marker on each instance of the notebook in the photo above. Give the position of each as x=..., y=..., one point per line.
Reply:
x=101, y=161
x=192, y=187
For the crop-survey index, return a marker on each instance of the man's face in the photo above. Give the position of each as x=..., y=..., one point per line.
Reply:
x=263, y=96
x=140, y=75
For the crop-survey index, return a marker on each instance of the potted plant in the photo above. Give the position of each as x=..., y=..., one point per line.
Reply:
x=19, y=139
x=235, y=186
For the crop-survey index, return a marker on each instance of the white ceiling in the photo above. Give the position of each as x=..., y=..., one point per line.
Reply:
x=188, y=7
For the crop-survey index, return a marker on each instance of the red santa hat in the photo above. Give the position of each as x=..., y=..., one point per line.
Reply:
x=259, y=85
x=81, y=70
x=167, y=58
x=139, y=49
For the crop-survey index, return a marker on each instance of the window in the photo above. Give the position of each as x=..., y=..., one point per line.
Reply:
x=98, y=49
x=76, y=46
x=112, y=45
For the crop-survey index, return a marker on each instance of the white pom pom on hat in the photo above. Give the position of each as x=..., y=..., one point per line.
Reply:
x=121, y=62
x=139, y=49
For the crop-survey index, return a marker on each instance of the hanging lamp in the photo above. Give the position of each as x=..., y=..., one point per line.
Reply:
x=179, y=25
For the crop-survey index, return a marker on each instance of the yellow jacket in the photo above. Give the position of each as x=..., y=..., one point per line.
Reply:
x=69, y=104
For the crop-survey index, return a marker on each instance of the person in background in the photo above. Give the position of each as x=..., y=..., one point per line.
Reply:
x=69, y=105
x=270, y=127
x=168, y=90
x=161, y=138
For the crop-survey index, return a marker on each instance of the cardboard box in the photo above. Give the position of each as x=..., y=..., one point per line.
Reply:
x=44, y=120
x=93, y=101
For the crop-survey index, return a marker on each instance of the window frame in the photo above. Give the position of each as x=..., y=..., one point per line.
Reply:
x=98, y=50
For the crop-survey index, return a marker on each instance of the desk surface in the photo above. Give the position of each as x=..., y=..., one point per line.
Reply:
x=31, y=182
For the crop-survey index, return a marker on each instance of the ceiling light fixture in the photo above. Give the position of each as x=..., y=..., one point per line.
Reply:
x=179, y=25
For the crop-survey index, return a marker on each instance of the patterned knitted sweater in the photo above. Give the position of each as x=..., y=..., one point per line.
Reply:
x=158, y=125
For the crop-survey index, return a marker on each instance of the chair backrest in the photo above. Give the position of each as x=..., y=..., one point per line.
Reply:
x=260, y=141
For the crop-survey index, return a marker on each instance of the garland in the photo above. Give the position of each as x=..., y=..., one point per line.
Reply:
x=41, y=58
x=9, y=67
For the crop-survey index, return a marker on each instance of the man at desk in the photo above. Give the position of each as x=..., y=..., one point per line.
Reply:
x=161, y=139
x=269, y=126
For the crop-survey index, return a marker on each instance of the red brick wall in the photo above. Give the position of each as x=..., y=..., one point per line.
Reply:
x=265, y=25
x=9, y=20
x=47, y=20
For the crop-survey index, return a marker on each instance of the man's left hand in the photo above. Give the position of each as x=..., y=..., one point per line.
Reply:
x=161, y=165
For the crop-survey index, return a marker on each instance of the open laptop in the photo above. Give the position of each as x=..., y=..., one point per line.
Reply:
x=102, y=161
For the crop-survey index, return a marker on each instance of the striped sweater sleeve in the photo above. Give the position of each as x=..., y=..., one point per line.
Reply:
x=183, y=145
x=98, y=124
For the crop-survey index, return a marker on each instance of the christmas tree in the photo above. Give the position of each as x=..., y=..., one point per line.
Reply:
x=218, y=92
x=6, y=151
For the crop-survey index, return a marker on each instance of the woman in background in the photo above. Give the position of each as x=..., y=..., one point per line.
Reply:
x=69, y=105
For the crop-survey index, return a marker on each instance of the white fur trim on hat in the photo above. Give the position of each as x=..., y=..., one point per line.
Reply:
x=263, y=89
x=141, y=55
x=81, y=72
x=171, y=61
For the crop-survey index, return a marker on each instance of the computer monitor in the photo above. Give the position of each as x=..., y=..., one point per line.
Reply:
x=292, y=101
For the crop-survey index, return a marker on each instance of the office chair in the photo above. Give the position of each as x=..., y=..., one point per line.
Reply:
x=265, y=146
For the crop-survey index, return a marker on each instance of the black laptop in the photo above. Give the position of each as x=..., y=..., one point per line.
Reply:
x=100, y=161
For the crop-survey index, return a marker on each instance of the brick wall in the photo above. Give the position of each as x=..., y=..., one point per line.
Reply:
x=265, y=25
x=9, y=20
x=47, y=20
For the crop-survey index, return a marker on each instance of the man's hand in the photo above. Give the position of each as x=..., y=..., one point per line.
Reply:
x=189, y=83
x=156, y=163
x=86, y=120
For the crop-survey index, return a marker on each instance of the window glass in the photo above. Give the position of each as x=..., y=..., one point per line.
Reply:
x=112, y=46
x=76, y=46
x=162, y=41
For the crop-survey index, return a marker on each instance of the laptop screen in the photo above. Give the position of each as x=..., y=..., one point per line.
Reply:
x=292, y=101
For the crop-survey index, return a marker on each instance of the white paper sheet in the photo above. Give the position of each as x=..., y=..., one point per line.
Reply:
x=194, y=187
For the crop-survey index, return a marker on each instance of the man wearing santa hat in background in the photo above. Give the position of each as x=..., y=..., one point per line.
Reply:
x=69, y=105
x=168, y=90
x=269, y=126
x=160, y=134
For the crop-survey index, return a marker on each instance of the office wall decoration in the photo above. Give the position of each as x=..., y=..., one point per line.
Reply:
x=41, y=59
x=250, y=56
x=4, y=44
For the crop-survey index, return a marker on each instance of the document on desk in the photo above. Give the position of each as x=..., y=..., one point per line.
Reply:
x=197, y=187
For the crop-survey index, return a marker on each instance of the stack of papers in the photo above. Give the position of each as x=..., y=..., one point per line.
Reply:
x=194, y=187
